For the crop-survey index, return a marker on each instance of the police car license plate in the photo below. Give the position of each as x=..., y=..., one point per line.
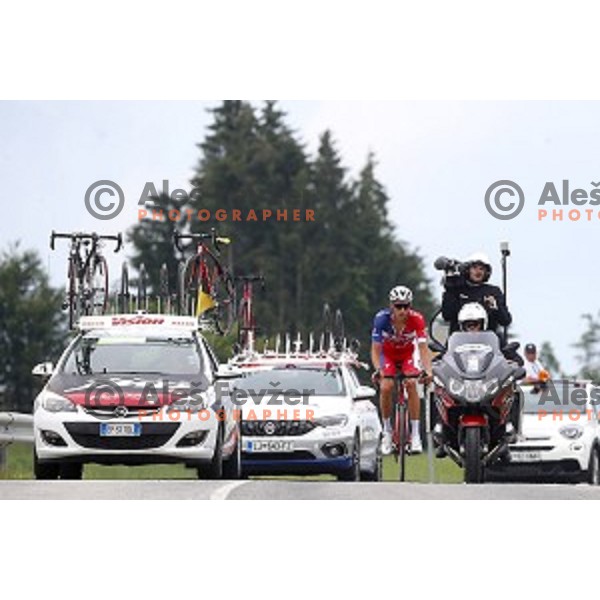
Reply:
x=120, y=429
x=269, y=446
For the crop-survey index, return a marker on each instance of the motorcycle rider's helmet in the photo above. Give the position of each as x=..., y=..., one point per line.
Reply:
x=472, y=316
x=480, y=258
x=401, y=293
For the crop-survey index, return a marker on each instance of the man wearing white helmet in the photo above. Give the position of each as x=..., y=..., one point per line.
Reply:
x=397, y=331
x=472, y=317
x=475, y=288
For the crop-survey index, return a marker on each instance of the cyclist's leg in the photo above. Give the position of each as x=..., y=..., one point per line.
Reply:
x=414, y=403
x=386, y=392
x=388, y=371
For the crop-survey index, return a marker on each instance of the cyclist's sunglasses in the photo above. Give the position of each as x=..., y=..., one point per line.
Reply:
x=401, y=306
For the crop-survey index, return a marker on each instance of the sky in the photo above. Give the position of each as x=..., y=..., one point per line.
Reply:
x=435, y=158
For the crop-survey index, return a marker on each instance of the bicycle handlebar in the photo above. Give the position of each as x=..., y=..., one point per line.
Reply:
x=86, y=236
x=212, y=236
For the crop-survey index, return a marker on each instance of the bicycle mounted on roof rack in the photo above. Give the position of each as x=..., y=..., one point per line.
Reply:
x=205, y=287
x=87, y=291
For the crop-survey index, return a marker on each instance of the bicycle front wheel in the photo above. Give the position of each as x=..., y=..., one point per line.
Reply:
x=401, y=424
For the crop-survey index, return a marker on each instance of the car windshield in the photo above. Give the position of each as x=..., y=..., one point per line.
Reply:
x=309, y=381
x=144, y=355
x=560, y=397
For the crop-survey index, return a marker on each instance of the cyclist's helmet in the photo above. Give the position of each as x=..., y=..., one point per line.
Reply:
x=401, y=293
x=480, y=258
x=472, y=316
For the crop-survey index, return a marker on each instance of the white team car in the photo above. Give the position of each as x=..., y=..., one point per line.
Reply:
x=135, y=389
x=560, y=434
x=307, y=414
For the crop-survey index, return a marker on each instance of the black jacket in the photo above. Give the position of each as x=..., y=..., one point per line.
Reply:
x=454, y=299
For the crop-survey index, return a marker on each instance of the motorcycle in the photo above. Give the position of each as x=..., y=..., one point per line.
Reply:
x=474, y=392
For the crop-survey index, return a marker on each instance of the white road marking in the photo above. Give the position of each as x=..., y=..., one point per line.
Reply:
x=223, y=492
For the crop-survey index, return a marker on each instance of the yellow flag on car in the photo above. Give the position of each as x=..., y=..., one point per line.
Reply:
x=204, y=303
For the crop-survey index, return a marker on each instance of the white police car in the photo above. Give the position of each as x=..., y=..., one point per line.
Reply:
x=135, y=389
x=560, y=434
x=307, y=414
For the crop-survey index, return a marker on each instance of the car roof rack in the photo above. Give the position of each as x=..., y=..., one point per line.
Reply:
x=338, y=352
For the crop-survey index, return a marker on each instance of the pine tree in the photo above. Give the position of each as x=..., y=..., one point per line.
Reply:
x=589, y=347
x=152, y=239
x=32, y=328
x=549, y=360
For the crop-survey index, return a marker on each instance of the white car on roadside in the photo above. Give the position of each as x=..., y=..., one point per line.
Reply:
x=307, y=414
x=135, y=389
x=559, y=434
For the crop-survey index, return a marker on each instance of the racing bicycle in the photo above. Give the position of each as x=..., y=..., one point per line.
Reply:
x=400, y=418
x=246, y=319
x=87, y=275
x=205, y=287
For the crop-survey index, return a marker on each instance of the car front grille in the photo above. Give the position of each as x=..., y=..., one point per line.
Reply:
x=276, y=428
x=153, y=435
x=523, y=448
x=109, y=413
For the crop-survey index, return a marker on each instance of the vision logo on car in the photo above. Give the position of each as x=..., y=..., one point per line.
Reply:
x=141, y=320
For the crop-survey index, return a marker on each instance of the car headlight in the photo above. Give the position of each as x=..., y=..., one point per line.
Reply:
x=55, y=403
x=189, y=404
x=332, y=421
x=571, y=432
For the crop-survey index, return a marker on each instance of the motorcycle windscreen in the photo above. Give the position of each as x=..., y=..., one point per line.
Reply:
x=473, y=352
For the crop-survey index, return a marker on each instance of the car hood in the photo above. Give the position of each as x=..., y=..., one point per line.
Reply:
x=320, y=406
x=533, y=427
x=127, y=390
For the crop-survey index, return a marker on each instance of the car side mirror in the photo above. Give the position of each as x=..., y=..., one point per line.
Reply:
x=436, y=347
x=44, y=369
x=364, y=392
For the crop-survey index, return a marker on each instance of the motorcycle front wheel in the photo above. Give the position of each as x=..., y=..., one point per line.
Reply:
x=473, y=464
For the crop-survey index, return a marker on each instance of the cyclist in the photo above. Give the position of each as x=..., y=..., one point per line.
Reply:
x=397, y=332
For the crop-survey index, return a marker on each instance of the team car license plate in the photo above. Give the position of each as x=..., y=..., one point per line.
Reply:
x=269, y=446
x=529, y=456
x=120, y=429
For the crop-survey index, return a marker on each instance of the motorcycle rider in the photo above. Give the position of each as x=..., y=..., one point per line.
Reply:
x=397, y=331
x=472, y=317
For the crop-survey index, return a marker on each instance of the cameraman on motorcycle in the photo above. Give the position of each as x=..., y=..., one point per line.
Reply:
x=470, y=284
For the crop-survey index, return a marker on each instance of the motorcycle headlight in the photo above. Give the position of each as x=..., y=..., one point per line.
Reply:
x=189, y=404
x=473, y=390
x=456, y=386
x=55, y=403
x=571, y=432
x=332, y=421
